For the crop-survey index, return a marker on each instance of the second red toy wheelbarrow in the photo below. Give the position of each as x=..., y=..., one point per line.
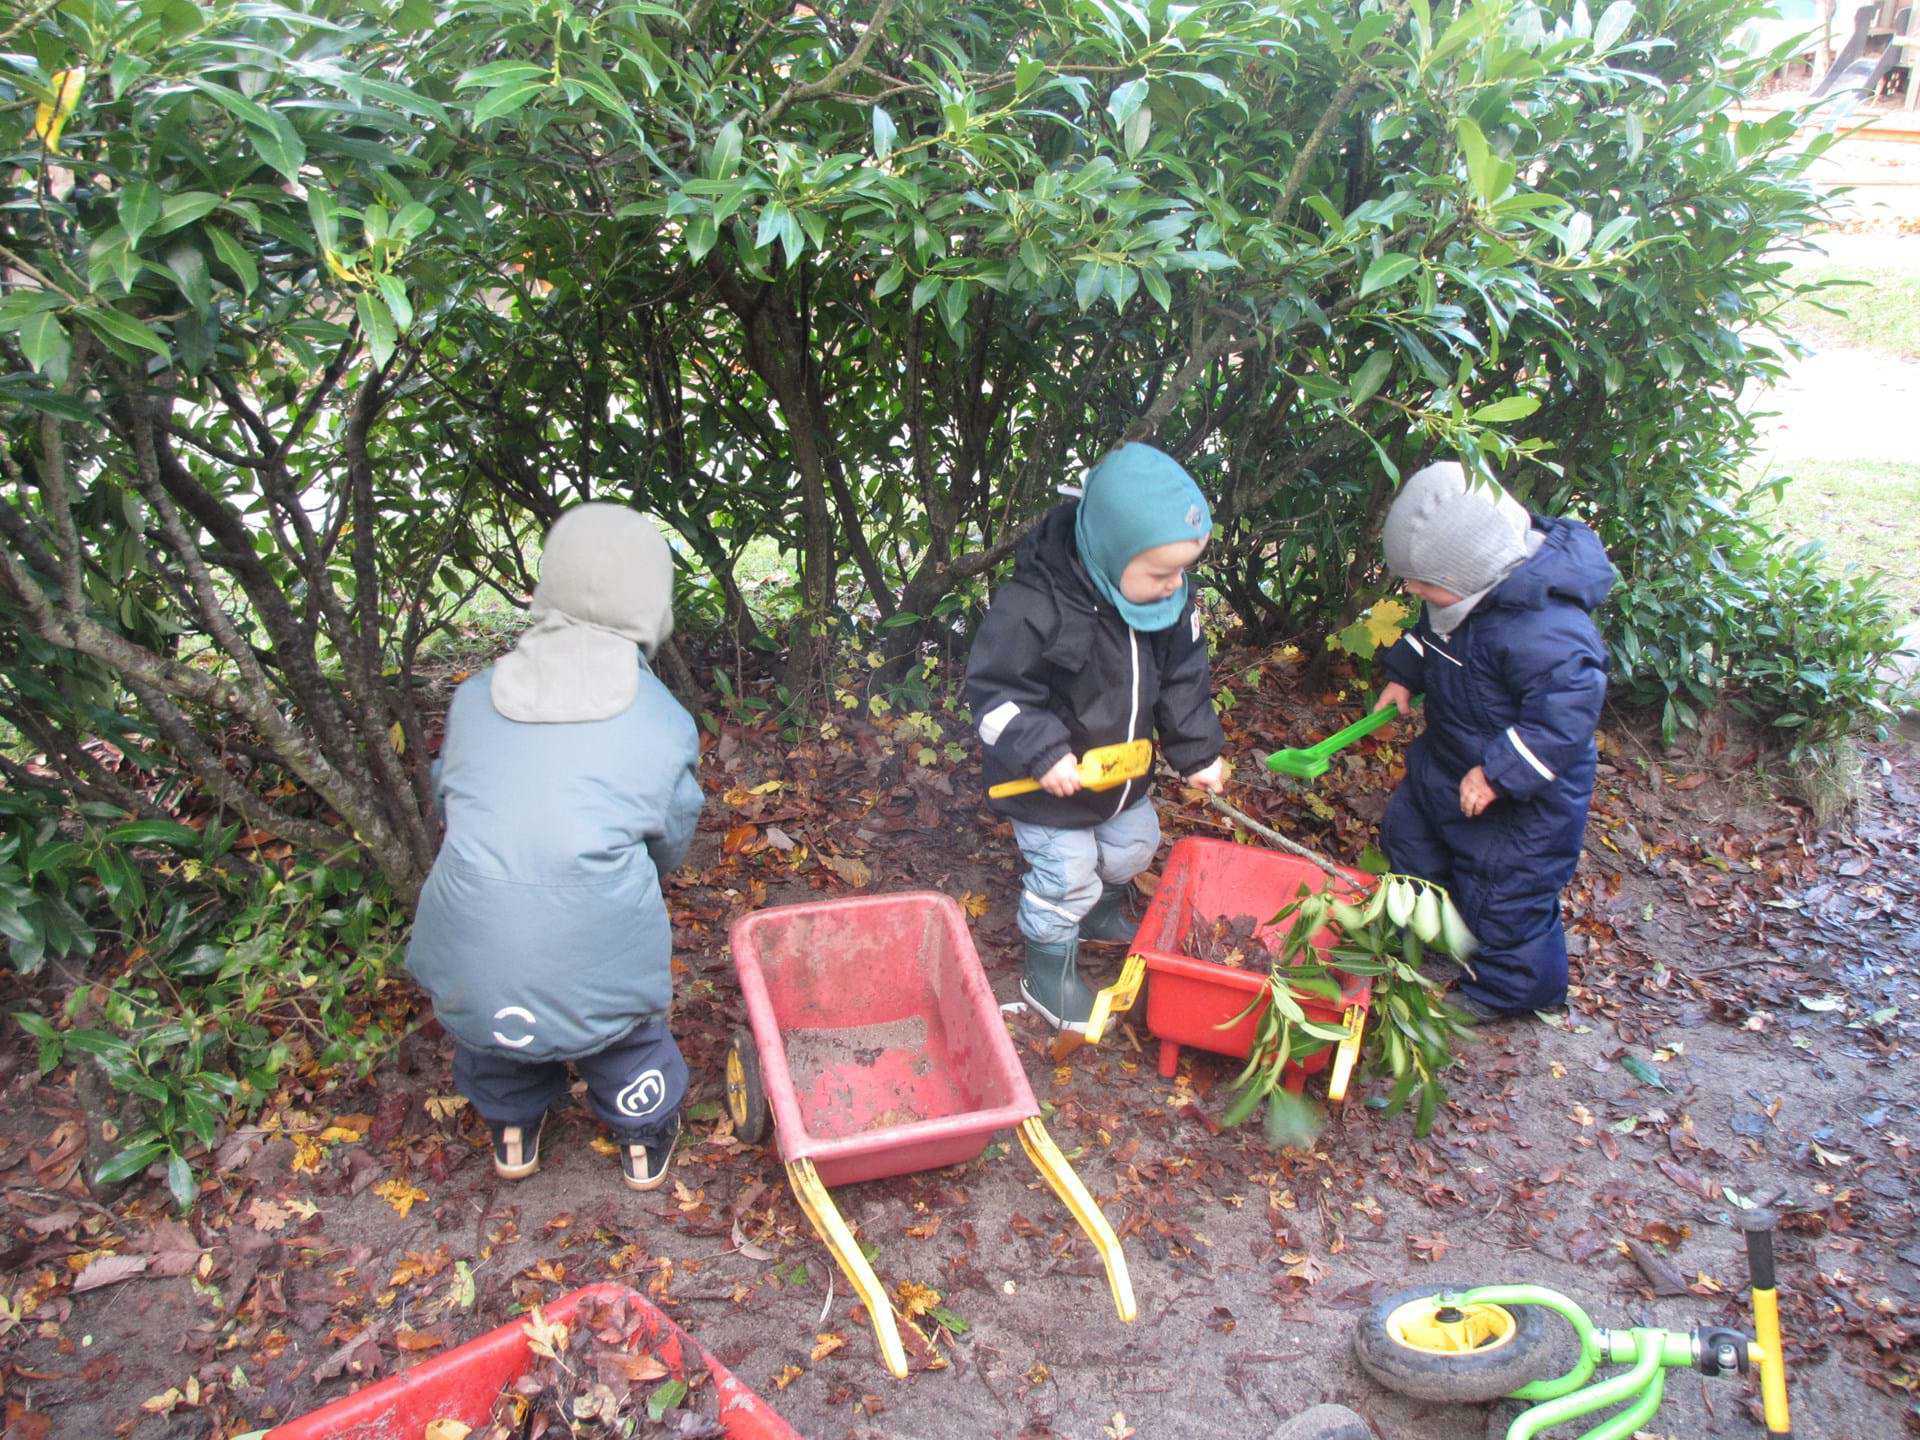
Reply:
x=462, y=1385
x=1208, y=1006
x=875, y=1047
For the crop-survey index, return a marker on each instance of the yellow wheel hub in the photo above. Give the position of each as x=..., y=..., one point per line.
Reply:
x=736, y=1088
x=1432, y=1328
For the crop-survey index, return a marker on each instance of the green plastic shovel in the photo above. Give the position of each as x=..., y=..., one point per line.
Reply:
x=1312, y=762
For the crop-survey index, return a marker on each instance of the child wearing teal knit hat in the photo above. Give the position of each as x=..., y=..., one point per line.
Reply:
x=1095, y=641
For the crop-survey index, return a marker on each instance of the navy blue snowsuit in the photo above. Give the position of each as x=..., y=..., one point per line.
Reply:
x=1516, y=689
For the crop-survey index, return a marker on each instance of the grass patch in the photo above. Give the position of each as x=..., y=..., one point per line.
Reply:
x=1866, y=513
x=1878, y=297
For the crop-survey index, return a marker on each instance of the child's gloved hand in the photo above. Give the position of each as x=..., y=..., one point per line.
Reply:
x=1063, y=779
x=1398, y=696
x=1475, y=793
x=1213, y=779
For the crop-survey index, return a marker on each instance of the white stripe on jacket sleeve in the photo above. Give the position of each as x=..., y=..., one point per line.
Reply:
x=1418, y=648
x=1528, y=755
x=994, y=723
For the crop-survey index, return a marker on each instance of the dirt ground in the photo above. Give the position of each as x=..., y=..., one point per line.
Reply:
x=1760, y=979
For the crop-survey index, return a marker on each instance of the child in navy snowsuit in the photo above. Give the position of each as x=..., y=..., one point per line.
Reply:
x=1494, y=804
x=1094, y=641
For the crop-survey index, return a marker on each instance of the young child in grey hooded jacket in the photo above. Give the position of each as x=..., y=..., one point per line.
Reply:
x=567, y=782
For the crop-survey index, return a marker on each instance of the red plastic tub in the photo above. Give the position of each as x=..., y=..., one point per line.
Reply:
x=881, y=1047
x=1188, y=1000
x=463, y=1383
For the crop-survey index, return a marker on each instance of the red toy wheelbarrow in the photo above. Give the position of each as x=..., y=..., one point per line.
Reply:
x=463, y=1384
x=1191, y=1001
x=875, y=1048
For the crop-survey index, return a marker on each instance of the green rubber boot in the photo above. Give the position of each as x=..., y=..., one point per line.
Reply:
x=1053, y=987
x=1112, y=917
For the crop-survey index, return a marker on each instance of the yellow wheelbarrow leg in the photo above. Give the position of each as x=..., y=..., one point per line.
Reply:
x=820, y=1209
x=1052, y=1165
x=1117, y=998
x=1346, y=1054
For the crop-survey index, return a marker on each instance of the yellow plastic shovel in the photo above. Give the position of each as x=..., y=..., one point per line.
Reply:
x=1101, y=768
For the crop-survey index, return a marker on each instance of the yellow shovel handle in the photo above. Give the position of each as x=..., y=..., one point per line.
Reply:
x=1008, y=788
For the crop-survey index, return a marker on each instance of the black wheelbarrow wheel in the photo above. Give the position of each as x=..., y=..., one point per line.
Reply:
x=1413, y=1344
x=746, y=1091
x=1324, y=1422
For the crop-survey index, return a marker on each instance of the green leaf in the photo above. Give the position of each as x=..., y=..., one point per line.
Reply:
x=1514, y=407
x=948, y=1321
x=130, y=1162
x=189, y=269
x=235, y=257
x=500, y=72
x=378, y=325
x=1369, y=378
x=44, y=342
x=179, y=210
x=280, y=145
x=16, y=306
x=666, y=1397
x=1388, y=269
x=155, y=832
x=506, y=100
x=413, y=221
x=884, y=131
x=139, y=208
x=395, y=294
x=251, y=111
x=726, y=152
x=1642, y=1071
x=1087, y=285
x=35, y=1025
x=1126, y=101
x=1614, y=21
x=890, y=281
x=118, y=325
x=702, y=232
x=181, y=1181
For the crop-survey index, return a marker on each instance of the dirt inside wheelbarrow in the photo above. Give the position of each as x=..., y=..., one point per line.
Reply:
x=859, y=1078
x=813, y=1053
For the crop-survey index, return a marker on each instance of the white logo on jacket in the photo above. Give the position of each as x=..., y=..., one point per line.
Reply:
x=514, y=1012
x=642, y=1095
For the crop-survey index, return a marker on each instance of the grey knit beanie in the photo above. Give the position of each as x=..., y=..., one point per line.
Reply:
x=1464, y=537
x=606, y=585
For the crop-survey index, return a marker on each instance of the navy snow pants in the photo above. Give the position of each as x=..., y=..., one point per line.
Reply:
x=635, y=1085
x=1505, y=870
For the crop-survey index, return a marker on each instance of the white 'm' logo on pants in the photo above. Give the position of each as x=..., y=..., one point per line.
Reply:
x=642, y=1095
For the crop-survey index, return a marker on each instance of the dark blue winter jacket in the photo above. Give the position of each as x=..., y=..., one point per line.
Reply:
x=1518, y=687
x=1517, y=690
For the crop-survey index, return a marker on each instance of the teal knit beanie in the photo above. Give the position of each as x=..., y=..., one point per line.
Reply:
x=1137, y=498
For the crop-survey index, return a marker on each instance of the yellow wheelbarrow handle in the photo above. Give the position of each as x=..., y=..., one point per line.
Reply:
x=1345, y=1056
x=1117, y=998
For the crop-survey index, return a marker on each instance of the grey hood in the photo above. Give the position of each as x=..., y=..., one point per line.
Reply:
x=606, y=586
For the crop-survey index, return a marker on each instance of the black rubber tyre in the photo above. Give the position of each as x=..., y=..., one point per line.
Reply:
x=1324, y=1422
x=746, y=1091
x=1530, y=1352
